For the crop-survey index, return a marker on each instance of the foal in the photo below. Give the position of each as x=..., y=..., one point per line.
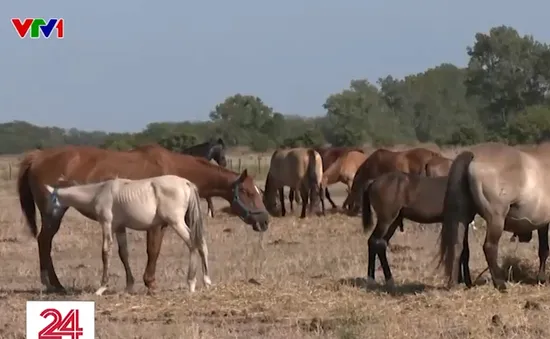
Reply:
x=396, y=196
x=161, y=201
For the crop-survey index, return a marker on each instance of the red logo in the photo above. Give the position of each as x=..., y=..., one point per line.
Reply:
x=60, y=320
x=60, y=326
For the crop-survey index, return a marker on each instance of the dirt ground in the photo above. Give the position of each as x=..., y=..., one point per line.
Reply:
x=302, y=272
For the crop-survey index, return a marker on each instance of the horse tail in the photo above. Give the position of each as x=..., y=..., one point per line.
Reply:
x=26, y=198
x=194, y=218
x=314, y=169
x=366, y=214
x=456, y=203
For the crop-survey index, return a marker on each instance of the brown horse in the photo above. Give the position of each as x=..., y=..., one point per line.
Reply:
x=395, y=196
x=300, y=169
x=507, y=187
x=329, y=155
x=343, y=170
x=85, y=164
x=438, y=167
x=385, y=161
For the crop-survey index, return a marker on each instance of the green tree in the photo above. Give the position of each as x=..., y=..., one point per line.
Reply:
x=508, y=73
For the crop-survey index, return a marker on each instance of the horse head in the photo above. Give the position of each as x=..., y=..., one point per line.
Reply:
x=217, y=152
x=247, y=203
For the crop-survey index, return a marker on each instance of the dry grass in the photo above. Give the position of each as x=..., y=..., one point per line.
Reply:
x=303, y=284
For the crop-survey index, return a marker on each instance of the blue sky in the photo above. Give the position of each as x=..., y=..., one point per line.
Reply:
x=126, y=63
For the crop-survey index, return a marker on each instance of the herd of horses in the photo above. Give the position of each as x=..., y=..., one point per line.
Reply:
x=506, y=186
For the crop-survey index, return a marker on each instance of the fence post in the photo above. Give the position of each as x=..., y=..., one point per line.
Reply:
x=9, y=171
x=259, y=171
x=240, y=164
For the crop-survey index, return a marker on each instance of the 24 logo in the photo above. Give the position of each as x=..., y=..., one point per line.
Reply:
x=60, y=319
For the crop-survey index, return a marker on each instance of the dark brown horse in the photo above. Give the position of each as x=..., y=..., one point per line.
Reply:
x=84, y=164
x=395, y=196
x=384, y=161
x=329, y=155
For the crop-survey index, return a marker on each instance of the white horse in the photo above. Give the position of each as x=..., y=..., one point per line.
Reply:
x=140, y=205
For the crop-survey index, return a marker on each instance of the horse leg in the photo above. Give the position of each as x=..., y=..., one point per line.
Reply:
x=495, y=227
x=464, y=270
x=182, y=230
x=376, y=245
x=282, y=199
x=323, y=201
x=382, y=254
x=210, y=207
x=50, y=226
x=291, y=199
x=107, y=231
x=203, y=252
x=327, y=194
x=543, y=253
x=305, y=200
x=122, y=241
x=154, y=243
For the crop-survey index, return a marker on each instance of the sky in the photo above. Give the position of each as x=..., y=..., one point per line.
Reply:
x=126, y=63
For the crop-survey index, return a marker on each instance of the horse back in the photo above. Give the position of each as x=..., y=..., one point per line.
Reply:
x=498, y=168
x=289, y=166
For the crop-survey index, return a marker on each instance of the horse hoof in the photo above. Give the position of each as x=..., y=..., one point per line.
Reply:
x=130, y=290
x=56, y=289
x=371, y=283
x=100, y=290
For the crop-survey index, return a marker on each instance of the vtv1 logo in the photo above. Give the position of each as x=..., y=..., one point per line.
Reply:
x=60, y=319
x=38, y=25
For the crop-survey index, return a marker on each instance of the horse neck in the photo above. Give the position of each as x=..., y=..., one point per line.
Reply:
x=211, y=180
x=79, y=197
x=270, y=191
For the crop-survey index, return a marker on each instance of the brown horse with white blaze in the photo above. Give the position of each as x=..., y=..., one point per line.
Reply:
x=300, y=169
x=507, y=187
x=85, y=164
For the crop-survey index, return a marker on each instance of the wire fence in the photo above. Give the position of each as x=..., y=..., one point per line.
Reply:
x=257, y=166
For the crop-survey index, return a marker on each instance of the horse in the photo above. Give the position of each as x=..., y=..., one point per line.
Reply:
x=508, y=188
x=87, y=164
x=210, y=150
x=329, y=155
x=120, y=203
x=395, y=196
x=438, y=167
x=385, y=161
x=343, y=170
x=300, y=169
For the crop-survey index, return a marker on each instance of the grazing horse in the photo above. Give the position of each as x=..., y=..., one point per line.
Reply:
x=85, y=164
x=118, y=204
x=300, y=169
x=329, y=155
x=385, y=161
x=438, y=167
x=343, y=170
x=507, y=187
x=395, y=196
x=210, y=150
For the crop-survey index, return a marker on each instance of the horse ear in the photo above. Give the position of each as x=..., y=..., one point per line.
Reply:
x=243, y=175
x=220, y=141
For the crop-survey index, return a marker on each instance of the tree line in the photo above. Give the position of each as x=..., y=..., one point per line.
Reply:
x=501, y=95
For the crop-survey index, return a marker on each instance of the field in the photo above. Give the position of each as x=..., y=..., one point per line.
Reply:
x=302, y=279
